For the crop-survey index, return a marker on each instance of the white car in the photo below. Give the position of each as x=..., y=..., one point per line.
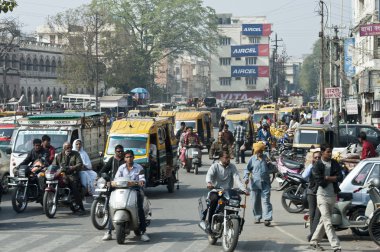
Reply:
x=4, y=170
x=361, y=174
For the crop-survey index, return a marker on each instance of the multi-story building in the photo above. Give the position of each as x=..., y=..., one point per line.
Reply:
x=240, y=69
x=366, y=60
x=292, y=70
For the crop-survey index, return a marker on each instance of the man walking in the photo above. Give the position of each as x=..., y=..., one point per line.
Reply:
x=327, y=173
x=240, y=134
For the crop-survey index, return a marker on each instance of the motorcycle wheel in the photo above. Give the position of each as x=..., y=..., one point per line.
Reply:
x=99, y=213
x=359, y=215
x=374, y=227
x=212, y=240
x=289, y=205
x=19, y=203
x=49, y=204
x=232, y=235
x=120, y=233
x=171, y=183
x=195, y=169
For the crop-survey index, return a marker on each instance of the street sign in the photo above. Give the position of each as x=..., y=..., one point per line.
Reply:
x=352, y=107
x=331, y=93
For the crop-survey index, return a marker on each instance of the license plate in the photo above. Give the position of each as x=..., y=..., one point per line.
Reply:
x=232, y=208
x=51, y=181
x=195, y=152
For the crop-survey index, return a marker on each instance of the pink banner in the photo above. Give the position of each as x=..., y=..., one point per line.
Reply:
x=263, y=50
x=370, y=30
x=267, y=29
x=263, y=71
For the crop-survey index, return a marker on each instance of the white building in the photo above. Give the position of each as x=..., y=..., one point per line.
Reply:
x=366, y=59
x=240, y=69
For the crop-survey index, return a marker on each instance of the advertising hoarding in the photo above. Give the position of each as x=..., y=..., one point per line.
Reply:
x=256, y=29
x=249, y=50
x=249, y=71
x=369, y=30
x=349, y=47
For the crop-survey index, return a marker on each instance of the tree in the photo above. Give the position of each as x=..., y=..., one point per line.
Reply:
x=310, y=70
x=79, y=29
x=6, y=6
x=151, y=30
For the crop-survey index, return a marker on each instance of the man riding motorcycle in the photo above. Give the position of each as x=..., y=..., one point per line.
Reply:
x=37, y=153
x=264, y=135
x=218, y=146
x=220, y=175
x=71, y=163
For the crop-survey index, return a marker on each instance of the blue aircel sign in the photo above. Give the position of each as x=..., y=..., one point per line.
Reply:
x=252, y=29
x=244, y=50
x=244, y=71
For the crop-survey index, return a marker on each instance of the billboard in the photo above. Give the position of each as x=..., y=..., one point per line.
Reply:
x=370, y=30
x=249, y=71
x=250, y=50
x=349, y=46
x=243, y=95
x=256, y=29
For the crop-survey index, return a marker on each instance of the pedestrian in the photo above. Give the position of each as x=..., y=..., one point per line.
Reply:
x=257, y=173
x=240, y=134
x=221, y=123
x=180, y=131
x=314, y=214
x=368, y=150
x=303, y=119
x=227, y=135
x=327, y=173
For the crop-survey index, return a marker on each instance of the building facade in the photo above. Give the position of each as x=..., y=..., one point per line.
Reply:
x=365, y=88
x=240, y=69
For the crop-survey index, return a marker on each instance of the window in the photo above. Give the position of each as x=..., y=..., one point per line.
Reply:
x=369, y=132
x=250, y=80
x=237, y=78
x=35, y=64
x=28, y=64
x=375, y=173
x=360, y=178
x=254, y=40
x=251, y=60
x=22, y=63
x=52, y=39
x=225, y=81
x=225, y=61
x=225, y=41
x=238, y=58
x=42, y=66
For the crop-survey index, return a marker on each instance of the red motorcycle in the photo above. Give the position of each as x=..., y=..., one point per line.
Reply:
x=57, y=192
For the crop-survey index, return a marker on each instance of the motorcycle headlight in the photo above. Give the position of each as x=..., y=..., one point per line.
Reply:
x=49, y=176
x=234, y=203
x=101, y=183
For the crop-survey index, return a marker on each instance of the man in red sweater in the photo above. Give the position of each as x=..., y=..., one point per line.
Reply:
x=368, y=149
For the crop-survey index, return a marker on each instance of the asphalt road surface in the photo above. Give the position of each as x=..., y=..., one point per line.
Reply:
x=173, y=227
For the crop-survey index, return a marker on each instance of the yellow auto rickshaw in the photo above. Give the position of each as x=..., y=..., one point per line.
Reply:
x=154, y=145
x=170, y=114
x=234, y=111
x=233, y=120
x=200, y=121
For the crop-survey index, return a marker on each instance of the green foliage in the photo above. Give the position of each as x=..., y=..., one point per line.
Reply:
x=6, y=6
x=310, y=71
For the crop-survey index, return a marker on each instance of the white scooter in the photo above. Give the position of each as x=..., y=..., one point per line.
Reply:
x=124, y=210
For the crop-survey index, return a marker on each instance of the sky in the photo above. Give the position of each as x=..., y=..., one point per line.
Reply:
x=296, y=22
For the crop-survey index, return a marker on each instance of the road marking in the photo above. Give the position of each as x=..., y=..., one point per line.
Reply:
x=162, y=246
x=88, y=245
x=289, y=234
x=54, y=244
x=4, y=236
x=197, y=245
x=22, y=242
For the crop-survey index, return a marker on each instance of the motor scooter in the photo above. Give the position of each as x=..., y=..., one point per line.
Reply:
x=123, y=208
x=193, y=158
x=356, y=218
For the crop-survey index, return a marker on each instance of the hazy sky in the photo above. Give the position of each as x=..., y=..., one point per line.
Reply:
x=297, y=22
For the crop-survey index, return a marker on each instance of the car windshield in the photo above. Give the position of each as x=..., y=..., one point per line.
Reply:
x=24, y=139
x=308, y=137
x=257, y=117
x=188, y=124
x=233, y=124
x=135, y=143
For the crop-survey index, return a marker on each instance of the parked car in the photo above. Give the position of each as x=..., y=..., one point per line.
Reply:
x=4, y=170
x=361, y=174
x=348, y=133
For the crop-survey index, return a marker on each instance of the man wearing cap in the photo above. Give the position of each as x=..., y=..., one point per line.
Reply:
x=257, y=173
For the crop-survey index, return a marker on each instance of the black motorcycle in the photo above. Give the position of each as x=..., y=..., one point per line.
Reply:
x=100, y=208
x=226, y=222
x=294, y=195
x=27, y=187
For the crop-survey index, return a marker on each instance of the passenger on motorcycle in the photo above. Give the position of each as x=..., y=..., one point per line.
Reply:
x=220, y=175
x=190, y=138
x=50, y=149
x=111, y=167
x=135, y=172
x=264, y=135
x=218, y=146
x=71, y=164
x=37, y=153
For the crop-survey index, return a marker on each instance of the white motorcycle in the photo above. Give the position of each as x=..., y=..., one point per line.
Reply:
x=124, y=210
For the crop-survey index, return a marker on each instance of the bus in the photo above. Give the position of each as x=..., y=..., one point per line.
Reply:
x=77, y=101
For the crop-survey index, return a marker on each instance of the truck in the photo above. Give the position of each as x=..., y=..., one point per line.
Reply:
x=90, y=127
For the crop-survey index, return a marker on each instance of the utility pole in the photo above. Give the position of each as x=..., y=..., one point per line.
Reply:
x=337, y=81
x=321, y=75
x=97, y=63
x=275, y=79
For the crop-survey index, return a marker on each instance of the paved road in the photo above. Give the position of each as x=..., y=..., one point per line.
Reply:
x=173, y=228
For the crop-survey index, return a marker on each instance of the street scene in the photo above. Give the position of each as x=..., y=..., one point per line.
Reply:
x=197, y=125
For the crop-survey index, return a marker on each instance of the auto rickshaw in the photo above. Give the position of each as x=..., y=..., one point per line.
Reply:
x=154, y=145
x=200, y=121
x=170, y=114
x=234, y=111
x=233, y=120
x=259, y=114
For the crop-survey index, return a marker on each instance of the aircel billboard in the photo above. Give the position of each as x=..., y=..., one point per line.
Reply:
x=256, y=29
x=250, y=50
x=249, y=71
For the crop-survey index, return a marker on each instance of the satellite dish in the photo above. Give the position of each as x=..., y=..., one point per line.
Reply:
x=22, y=97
